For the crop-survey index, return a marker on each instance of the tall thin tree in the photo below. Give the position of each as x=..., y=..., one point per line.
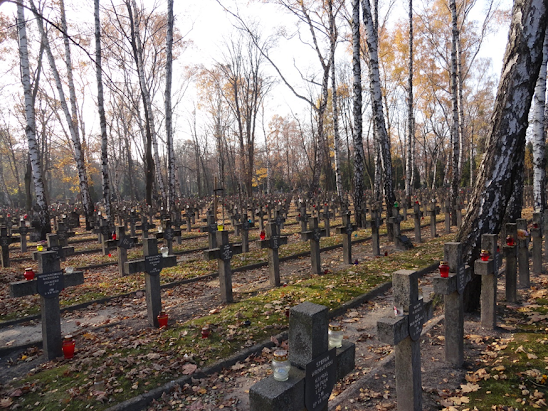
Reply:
x=168, y=108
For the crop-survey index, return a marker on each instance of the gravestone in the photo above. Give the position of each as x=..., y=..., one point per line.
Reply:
x=151, y=265
x=404, y=332
x=273, y=242
x=447, y=212
x=23, y=230
x=261, y=214
x=279, y=219
x=488, y=270
x=5, y=241
x=223, y=255
x=54, y=245
x=210, y=229
x=510, y=255
x=314, y=235
x=314, y=367
x=244, y=227
x=375, y=224
x=432, y=212
x=523, y=255
x=536, y=237
x=417, y=214
x=49, y=283
x=346, y=230
x=124, y=243
x=326, y=216
x=452, y=288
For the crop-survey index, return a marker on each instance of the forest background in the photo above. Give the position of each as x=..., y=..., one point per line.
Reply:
x=234, y=116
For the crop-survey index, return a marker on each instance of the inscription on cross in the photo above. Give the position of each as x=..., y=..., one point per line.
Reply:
x=48, y=284
x=224, y=254
x=273, y=242
x=346, y=230
x=452, y=288
x=152, y=264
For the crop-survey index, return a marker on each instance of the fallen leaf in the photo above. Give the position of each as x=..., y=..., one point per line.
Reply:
x=189, y=368
x=469, y=387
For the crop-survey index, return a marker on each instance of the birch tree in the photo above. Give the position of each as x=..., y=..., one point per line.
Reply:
x=357, y=138
x=169, y=114
x=30, y=128
x=410, y=152
x=539, y=135
x=503, y=161
x=102, y=117
x=455, y=111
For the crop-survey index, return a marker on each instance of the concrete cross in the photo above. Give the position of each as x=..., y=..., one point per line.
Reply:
x=151, y=265
x=403, y=332
x=346, y=230
x=210, y=229
x=244, y=228
x=452, y=288
x=49, y=283
x=314, y=235
x=223, y=254
x=488, y=271
x=5, y=241
x=273, y=242
x=510, y=254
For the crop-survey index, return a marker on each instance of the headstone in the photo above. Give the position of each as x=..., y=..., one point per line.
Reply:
x=488, y=270
x=210, y=229
x=49, y=283
x=403, y=332
x=375, y=223
x=223, y=254
x=523, y=254
x=152, y=264
x=23, y=230
x=314, y=367
x=536, y=237
x=452, y=288
x=417, y=214
x=432, y=212
x=273, y=242
x=326, y=216
x=244, y=227
x=5, y=241
x=124, y=243
x=510, y=254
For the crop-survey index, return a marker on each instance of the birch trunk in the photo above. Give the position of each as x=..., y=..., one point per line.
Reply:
x=102, y=116
x=376, y=104
x=71, y=118
x=169, y=126
x=30, y=127
x=539, y=156
x=357, y=138
x=455, y=106
x=503, y=161
x=409, y=165
x=336, y=135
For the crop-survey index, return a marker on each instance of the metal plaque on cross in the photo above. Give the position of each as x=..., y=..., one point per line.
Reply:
x=125, y=242
x=50, y=285
x=226, y=252
x=416, y=320
x=320, y=380
x=153, y=264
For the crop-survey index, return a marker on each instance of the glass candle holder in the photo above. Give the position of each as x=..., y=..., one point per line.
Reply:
x=29, y=274
x=280, y=366
x=69, y=270
x=510, y=241
x=68, y=347
x=164, y=251
x=39, y=248
x=162, y=319
x=444, y=269
x=205, y=332
x=484, y=255
x=262, y=235
x=335, y=335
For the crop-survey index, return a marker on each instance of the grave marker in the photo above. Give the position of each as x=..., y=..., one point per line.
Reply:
x=510, y=254
x=314, y=367
x=346, y=230
x=314, y=235
x=224, y=254
x=273, y=242
x=48, y=284
x=5, y=241
x=523, y=254
x=536, y=236
x=487, y=270
x=417, y=214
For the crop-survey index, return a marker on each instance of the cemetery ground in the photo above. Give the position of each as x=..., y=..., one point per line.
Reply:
x=120, y=356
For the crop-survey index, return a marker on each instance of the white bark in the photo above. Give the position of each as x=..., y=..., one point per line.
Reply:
x=455, y=108
x=539, y=135
x=30, y=128
x=102, y=116
x=169, y=126
x=409, y=164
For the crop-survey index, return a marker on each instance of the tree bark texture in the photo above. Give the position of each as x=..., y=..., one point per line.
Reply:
x=168, y=109
x=455, y=110
x=409, y=164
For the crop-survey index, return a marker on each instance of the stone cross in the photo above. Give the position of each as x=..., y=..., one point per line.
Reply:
x=460, y=205
x=432, y=212
x=314, y=236
x=5, y=241
x=488, y=271
x=303, y=217
x=523, y=255
x=326, y=216
x=64, y=233
x=124, y=242
x=133, y=218
x=244, y=227
x=417, y=214
x=210, y=229
x=151, y=265
x=376, y=222
x=49, y=284
x=167, y=234
x=235, y=220
x=223, y=254
x=346, y=230
x=510, y=254
x=54, y=245
x=279, y=219
x=261, y=213
x=23, y=230
x=314, y=367
x=404, y=331
x=447, y=212
x=536, y=237
x=273, y=243
x=189, y=215
x=452, y=288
